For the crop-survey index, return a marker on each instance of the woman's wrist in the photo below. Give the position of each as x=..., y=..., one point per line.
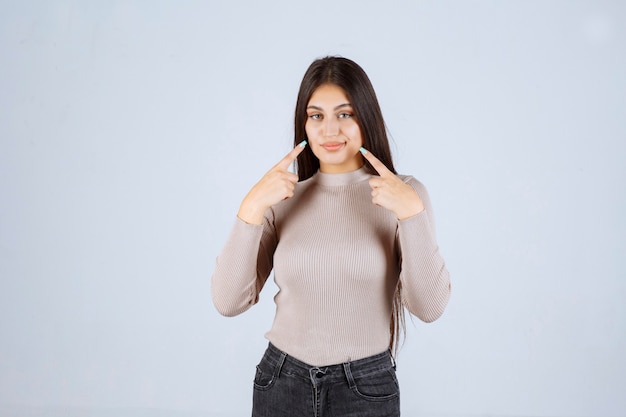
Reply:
x=251, y=213
x=416, y=208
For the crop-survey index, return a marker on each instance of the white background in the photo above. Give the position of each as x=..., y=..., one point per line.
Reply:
x=131, y=130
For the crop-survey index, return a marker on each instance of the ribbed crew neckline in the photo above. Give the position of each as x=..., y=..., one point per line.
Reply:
x=344, y=178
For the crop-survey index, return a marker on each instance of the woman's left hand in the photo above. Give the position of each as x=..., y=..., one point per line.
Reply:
x=391, y=192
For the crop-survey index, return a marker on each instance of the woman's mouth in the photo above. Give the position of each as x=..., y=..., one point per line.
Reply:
x=333, y=146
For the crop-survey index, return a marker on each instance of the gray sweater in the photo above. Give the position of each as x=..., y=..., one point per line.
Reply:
x=337, y=259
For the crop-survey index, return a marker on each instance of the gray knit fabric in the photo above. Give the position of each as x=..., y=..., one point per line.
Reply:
x=337, y=259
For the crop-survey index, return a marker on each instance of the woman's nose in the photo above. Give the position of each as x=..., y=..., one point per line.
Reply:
x=331, y=127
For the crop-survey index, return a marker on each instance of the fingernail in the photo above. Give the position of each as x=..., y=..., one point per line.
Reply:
x=302, y=144
x=363, y=150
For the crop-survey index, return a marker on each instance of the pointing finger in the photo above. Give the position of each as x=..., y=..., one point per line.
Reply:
x=382, y=170
x=291, y=156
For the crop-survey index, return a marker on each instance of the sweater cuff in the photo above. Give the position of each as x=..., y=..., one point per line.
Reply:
x=417, y=230
x=421, y=217
x=243, y=231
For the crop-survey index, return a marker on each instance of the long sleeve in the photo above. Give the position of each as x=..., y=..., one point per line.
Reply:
x=336, y=260
x=424, y=276
x=243, y=266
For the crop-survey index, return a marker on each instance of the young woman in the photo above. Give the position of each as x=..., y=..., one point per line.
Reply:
x=351, y=244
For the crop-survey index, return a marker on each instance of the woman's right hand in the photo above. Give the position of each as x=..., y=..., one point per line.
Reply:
x=275, y=186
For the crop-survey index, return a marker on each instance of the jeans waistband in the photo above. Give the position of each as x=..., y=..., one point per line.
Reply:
x=356, y=369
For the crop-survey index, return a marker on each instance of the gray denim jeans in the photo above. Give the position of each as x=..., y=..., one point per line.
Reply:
x=287, y=387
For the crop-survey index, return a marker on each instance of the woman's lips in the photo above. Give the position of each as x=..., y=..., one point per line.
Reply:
x=333, y=146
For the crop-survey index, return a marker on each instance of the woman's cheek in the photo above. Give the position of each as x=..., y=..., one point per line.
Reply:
x=311, y=136
x=314, y=148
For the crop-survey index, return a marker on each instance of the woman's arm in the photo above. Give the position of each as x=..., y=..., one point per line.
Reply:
x=243, y=266
x=247, y=258
x=424, y=276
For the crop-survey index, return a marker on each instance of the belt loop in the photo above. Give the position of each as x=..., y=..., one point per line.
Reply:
x=349, y=377
x=393, y=360
x=279, y=365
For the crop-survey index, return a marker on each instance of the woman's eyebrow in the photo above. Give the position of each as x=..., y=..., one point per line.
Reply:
x=336, y=108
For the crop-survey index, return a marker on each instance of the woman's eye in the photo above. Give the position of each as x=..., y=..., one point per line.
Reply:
x=315, y=116
x=345, y=115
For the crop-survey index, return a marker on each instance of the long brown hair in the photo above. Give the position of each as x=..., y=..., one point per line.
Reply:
x=349, y=76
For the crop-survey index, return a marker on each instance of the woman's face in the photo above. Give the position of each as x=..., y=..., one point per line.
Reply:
x=333, y=132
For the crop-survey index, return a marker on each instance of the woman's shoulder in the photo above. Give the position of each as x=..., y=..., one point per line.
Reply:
x=410, y=179
x=417, y=185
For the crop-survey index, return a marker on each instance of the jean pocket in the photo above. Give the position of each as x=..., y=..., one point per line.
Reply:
x=265, y=375
x=379, y=386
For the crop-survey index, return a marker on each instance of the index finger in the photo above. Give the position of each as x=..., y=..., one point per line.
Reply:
x=291, y=156
x=382, y=170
